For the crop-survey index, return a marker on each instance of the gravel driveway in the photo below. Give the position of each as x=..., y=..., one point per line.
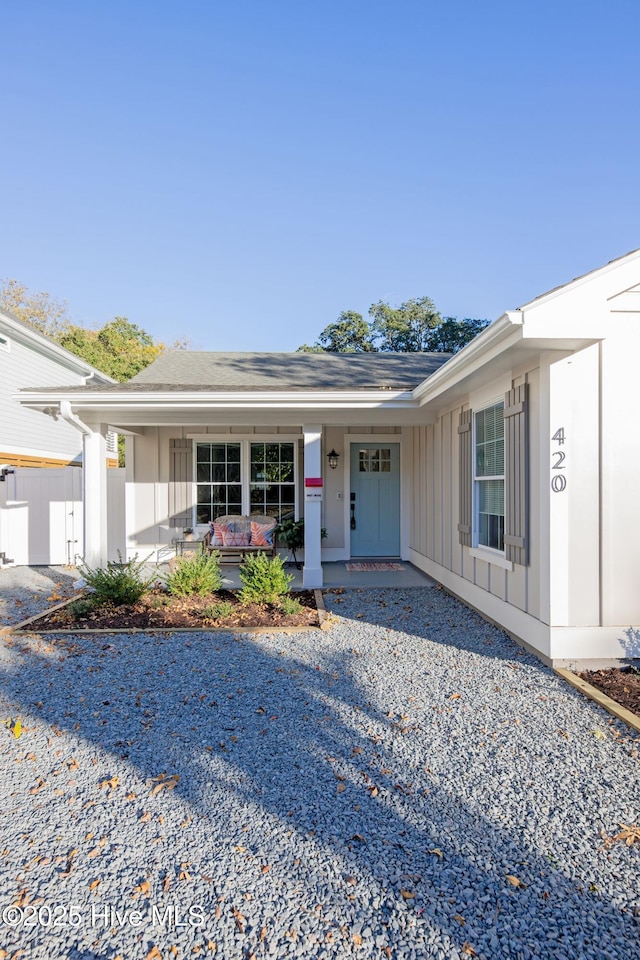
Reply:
x=410, y=784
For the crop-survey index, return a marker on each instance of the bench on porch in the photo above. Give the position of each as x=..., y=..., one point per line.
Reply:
x=238, y=536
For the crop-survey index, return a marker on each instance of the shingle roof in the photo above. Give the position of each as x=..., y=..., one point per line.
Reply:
x=290, y=371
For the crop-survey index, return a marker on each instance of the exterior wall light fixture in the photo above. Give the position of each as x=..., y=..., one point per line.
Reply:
x=333, y=458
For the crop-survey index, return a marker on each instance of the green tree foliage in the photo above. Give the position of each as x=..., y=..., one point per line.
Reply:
x=404, y=329
x=120, y=348
x=452, y=334
x=414, y=326
x=349, y=334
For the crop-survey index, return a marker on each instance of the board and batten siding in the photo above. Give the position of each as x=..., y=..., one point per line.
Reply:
x=27, y=430
x=441, y=504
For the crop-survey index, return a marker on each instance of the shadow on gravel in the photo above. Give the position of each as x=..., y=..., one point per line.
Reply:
x=24, y=591
x=352, y=783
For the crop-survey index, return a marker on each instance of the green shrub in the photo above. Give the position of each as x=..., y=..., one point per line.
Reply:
x=118, y=583
x=263, y=579
x=219, y=610
x=289, y=606
x=82, y=607
x=195, y=573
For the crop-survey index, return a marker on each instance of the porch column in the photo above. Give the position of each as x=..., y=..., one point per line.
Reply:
x=312, y=570
x=95, y=496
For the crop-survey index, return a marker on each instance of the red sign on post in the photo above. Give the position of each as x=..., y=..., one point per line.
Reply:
x=313, y=481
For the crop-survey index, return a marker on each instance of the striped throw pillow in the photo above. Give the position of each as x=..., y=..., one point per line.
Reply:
x=261, y=534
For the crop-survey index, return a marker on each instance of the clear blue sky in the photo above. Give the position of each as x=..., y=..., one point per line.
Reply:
x=239, y=173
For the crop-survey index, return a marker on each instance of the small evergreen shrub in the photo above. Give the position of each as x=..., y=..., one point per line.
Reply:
x=219, y=610
x=290, y=606
x=81, y=607
x=263, y=579
x=195, y=574
x=118, y=583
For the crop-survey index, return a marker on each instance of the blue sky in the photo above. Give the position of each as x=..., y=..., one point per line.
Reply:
x=241, y=173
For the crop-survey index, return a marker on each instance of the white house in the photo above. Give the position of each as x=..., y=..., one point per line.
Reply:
x=28, y=359
x=508, y=472
x=41, y=509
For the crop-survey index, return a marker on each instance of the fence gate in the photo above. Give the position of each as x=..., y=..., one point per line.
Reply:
x=41, y=516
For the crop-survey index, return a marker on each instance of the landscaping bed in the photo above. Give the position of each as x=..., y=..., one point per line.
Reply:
x=158, y=609
x=622, y=684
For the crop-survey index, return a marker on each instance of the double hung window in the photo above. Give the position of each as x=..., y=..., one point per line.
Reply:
x=488, y=478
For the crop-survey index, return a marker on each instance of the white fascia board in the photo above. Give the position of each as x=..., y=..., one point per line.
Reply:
x=580, y=281
x=301, y=400
x=503, y=333
x=49, y=348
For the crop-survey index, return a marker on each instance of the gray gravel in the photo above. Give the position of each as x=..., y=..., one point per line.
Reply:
x=365, y=792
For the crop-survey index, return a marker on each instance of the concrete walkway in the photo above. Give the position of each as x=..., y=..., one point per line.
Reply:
x=336, y=575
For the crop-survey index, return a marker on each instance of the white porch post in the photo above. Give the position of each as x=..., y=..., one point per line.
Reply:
x=312, y=570
x=95, y=496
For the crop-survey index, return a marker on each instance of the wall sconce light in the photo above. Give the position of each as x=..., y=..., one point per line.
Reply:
x=333, y=458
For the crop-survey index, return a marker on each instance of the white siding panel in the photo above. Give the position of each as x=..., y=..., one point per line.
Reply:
x=28, y=430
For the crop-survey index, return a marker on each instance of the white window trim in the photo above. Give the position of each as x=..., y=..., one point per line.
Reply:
x=491, y=556
x=5, y=343
x=245, y=441
x=482, y=551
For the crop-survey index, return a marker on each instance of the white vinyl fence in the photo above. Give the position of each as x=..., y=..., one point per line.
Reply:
x=41, y=515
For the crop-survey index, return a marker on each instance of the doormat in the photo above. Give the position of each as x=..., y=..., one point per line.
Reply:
x=366, y=567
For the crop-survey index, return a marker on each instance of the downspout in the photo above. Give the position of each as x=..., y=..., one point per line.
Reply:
x=73, y=419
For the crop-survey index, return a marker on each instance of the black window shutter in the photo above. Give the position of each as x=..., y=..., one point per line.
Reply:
x=516, y=475
x=465, y=526
x=180, y=482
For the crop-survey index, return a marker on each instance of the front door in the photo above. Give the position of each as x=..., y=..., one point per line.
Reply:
x=375, y=499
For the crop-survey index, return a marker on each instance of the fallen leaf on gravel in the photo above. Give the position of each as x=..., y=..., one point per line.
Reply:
x=266, y=868
x=514, y=881
x=113, y=783
x=438, y=852
x=145, y=817
x=461, y=920
x=164, y=782
x=154, y=954
x=628, y=833
x=341, y=788
x=263, y=934
x=239, y=919
x=407, y=894
x=455, y=696
x=357, y=939
x=40, y=783
x=359, y=837
x=94, y=884
x=142, y=889
x=468, y=949
x=212, y=945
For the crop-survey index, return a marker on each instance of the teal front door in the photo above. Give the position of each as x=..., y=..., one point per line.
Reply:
x=375, y=500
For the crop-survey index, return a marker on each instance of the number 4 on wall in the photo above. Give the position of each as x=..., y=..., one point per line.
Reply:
x=559, y=435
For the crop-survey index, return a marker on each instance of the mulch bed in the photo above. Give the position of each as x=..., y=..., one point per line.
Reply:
x=157, y=609
x=622, y=684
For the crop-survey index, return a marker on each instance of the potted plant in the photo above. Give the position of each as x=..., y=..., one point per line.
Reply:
x=291, y=534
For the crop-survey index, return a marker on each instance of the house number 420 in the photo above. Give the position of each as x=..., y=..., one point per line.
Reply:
x=558, y=480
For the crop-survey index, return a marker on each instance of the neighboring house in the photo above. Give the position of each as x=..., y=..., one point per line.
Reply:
x=29, y=359
x=508, y=472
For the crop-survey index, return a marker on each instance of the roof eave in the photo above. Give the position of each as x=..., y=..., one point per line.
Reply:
x=306, y=399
